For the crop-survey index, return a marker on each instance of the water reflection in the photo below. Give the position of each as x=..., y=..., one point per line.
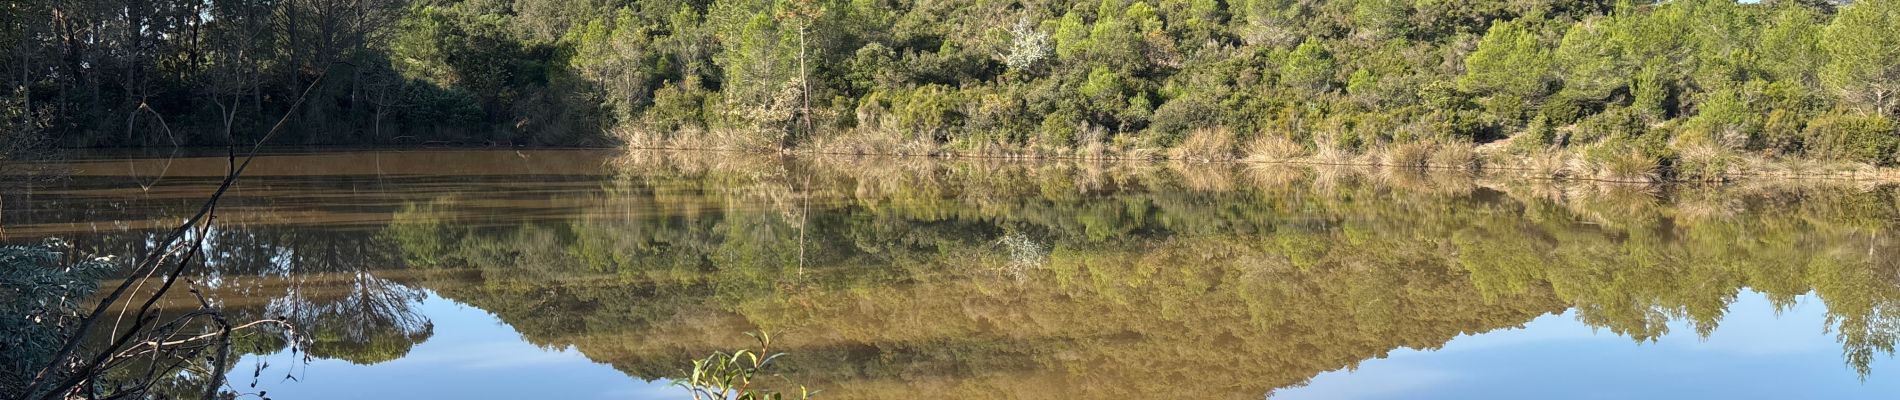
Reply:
x=923, y=279
x=1758, y=353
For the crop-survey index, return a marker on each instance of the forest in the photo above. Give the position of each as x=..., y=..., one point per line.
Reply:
x=1637, y=90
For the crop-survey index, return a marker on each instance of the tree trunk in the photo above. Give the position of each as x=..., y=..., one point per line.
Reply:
x=804, y=78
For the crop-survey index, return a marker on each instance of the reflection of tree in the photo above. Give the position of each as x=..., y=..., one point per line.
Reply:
x=369, y=320
x=329, y=288
x=1017, y=280
x=325, y=282
x=1145, y=275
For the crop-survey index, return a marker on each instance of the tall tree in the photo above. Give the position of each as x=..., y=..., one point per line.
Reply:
x=1864, y=55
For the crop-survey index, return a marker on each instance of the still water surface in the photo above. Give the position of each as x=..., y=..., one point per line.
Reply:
x=598, y=274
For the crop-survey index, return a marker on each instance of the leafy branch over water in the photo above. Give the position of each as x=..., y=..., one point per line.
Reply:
x=723, y=376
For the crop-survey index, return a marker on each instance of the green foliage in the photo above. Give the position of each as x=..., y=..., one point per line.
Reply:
x=929, y=112
x=41, y=302
x=1791, y=45
x=1309, y=67
x=1864, y=55
x=733, y=375
x=22, y=130
x=998, y=75
x=1510, y=61
x=1868, y=138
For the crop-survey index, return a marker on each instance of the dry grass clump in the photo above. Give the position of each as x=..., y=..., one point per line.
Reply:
x=1413, y=155
x=694, y=138
x=1622, y=164
x=1548, y=164
x=1206, y=145
x=1707, y=163
x=868, y=141
x=1459, y=156
x=1269, y=148
x=1335, y=156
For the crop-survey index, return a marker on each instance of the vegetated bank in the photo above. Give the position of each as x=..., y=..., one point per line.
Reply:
x=1623, y=90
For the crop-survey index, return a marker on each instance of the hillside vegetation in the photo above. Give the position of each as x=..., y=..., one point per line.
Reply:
x=1626, y=90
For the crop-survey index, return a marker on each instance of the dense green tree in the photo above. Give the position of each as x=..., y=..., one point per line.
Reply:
x=1864, y=55
x=1308, y=68
x=1511, y=65
x=1350, y=78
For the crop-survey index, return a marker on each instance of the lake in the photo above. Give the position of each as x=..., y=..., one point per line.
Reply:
x=594, y=274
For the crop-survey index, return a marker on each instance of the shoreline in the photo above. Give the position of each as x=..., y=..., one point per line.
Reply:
x=1489, y=164
x=1480, y=162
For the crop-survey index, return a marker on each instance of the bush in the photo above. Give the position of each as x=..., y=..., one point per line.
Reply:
x=1855, y=137
x=677, y=106
x=1182, y=115
x=1618, y=125
x=39, y=307
x=1564, y=110
x=21, y=131
x=1781, y=133
x=1060, y=129
x=1539, y=135
x=929, y=111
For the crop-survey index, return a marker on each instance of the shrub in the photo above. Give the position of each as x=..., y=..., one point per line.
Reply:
x=1182, y=115
x=1060, y=129
x=677, y=106
x=1564, y=110
x=1611, y=124
x=1539, y=135
x=929, y=111
x=1781, y=133
x=21, y=130
x=1856, y=137
x=39, y=307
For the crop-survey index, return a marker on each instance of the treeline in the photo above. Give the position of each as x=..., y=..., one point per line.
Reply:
x=210, y=72
x=1677, y=86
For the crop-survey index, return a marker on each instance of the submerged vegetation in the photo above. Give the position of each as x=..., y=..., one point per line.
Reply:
x=1619, y=90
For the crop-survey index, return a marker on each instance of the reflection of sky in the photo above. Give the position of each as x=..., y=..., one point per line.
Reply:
x=471, y=356
x=1753, y=354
